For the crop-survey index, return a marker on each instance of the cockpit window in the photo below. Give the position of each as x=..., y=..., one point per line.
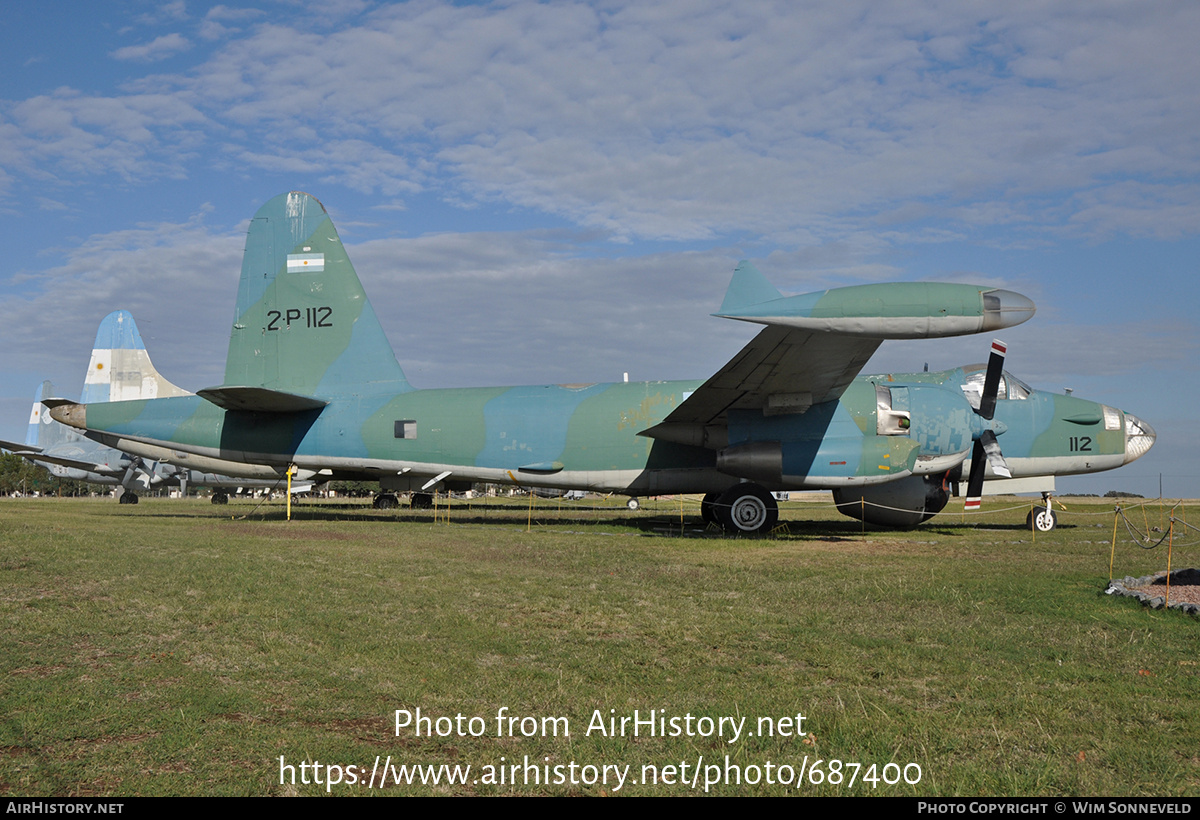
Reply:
x=1010, y=386
x=1112, y=418
x=1017, y=389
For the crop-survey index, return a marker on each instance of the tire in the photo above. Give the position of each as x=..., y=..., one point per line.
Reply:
x=220, y=498
x=1041, y=519
x=708, y=508
x=632, y=504
x=386, y=501
x=747, y=508
x=421, y=501
x=128, y=498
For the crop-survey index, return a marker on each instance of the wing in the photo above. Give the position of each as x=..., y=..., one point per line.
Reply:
x=782, y=370
x=815, y=344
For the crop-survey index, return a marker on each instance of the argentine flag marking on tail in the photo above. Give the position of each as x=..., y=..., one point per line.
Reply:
x=306, y=262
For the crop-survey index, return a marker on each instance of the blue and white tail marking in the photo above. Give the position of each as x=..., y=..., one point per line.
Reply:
x=120, y=368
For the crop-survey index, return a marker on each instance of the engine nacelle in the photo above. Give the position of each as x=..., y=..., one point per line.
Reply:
x=900, y=504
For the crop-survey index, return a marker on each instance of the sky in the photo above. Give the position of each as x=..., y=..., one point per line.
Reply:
x=559, y=192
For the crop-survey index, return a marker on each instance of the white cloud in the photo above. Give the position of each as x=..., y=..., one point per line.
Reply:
x=684, y=121
x=178, y=280
x=157, y=49
x=67, y=134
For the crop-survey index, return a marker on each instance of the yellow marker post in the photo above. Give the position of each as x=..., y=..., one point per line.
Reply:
x=1112, y=555
x=1170, y=539
x=290, y=470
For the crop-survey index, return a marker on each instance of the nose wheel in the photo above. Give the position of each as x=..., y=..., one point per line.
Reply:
x=1042, y=519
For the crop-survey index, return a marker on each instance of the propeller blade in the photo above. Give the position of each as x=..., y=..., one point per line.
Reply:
x=985, y=452
x=986, y=446
x=991, y=382
x=994, y=456
x=975, y=482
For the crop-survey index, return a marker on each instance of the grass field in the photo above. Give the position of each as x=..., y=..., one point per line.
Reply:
x=176, y=648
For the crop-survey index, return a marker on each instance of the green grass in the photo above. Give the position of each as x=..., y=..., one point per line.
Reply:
x=180, y=648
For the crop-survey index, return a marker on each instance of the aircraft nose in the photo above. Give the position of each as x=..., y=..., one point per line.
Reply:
x=1139, y=437
x=1005, y=308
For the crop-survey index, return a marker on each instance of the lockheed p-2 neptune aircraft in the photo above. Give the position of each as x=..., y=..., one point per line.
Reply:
x=312, y=382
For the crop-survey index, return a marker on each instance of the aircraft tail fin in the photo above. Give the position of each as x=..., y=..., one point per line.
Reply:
x=120, y=368
x=35, y=415
x=44, y=433
x=747, y=287
x=303, y=325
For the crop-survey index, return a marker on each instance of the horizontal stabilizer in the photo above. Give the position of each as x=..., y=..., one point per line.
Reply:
x=74, y=463
x=19, y=449
x=259, y=399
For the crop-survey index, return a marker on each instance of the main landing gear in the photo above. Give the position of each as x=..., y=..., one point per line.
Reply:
x=743, y=509
x=220, y=498
x=385, y=501
x=128, y=497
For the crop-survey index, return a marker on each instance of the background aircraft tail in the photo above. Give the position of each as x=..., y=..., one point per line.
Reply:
x=44, y=433
x=303, y=323
x=120, y=368
x=33, y=431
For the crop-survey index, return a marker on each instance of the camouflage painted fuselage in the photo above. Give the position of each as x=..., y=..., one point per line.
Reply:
x=587, y=436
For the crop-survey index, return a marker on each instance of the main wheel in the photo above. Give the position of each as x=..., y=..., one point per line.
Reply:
x=421, y=501
x=386, y=501
x=128, y=498
x=632, y=504
x=708, y=508
x=220, y=498
x=1042, y=519
x=747, y=508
